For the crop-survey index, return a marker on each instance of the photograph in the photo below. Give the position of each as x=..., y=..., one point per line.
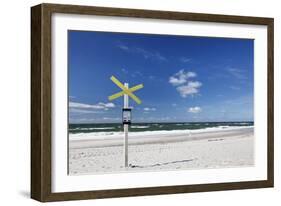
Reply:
x=133, y=102
x=154, y=102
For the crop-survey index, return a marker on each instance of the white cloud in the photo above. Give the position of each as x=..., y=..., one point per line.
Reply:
x=111, y=118
x=190, y=88
x=181, y=77
x=124, y=47
x=84, y=111
x=145, y=53
x=185, y=86
x=238, y=73
x=99, y=106
x=149, y=54
x=147, y=109
x=194, y=109
x=107, y=105
x=185, y=59
x=81, y=120
x=94, y=119
x=125, y=71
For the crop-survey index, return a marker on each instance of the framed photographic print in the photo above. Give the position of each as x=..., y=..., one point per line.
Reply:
x=130, y=102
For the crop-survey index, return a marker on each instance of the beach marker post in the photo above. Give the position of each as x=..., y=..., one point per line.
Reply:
x=126, y=122
x=126, y=111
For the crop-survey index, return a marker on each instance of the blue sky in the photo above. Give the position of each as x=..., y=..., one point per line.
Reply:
x=185, y=78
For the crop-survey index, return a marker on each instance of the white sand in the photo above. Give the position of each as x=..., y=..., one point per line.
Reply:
x=173, y=150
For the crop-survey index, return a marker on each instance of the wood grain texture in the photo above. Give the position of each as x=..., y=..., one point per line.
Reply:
x=138, y=13
x=36, y=58
x=40, y=102
x=41, y=174
x=270, y=102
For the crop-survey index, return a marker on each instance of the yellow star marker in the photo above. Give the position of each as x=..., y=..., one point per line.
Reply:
x=125, y=90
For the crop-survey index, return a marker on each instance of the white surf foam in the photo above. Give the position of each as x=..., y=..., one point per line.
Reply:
x=116, y=135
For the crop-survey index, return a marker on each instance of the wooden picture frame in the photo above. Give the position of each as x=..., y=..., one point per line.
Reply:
x=41, y=116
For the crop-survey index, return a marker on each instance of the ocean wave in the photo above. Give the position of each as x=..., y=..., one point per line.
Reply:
x=114, y=135
x=241, y=123
x=139, y=127
x=92, y=128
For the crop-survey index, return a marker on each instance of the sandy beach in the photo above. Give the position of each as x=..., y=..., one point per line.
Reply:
x=162, y=150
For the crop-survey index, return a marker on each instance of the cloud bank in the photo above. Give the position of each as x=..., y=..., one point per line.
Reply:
x=76, y=106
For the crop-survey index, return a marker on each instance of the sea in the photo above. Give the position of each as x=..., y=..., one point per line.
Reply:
x=112, y=128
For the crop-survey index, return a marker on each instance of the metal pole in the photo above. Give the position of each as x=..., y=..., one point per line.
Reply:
x=126, y=128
